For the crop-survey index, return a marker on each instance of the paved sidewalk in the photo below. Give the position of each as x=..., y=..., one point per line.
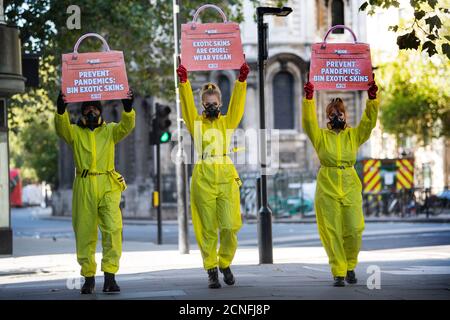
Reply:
x=47, y=269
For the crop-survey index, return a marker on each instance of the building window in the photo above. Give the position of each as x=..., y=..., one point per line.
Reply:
x=283, y=100
x=337, y=14
x=225, y=86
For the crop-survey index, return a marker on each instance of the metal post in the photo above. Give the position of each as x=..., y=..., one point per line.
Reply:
x=265, y=214
x=258, y=193
x=427, y=202
x=157, y=153
x=181, y=167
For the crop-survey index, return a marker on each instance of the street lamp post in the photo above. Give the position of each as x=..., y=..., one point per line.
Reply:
x=265, y=214
x=181, y=167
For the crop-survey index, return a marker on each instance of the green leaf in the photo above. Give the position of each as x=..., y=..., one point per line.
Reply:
x=363, y=6
x=393, y=28
x=432, y=37
x=430, y=47
x=432, y=3
x=447, y=37
x=446, y=49
x=433, y=22
x=408, y=41
x=414, y=3
x=419, y=14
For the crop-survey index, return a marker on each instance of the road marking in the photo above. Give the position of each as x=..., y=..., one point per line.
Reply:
x=365, y=234
x=421, y=270
x=317, y=269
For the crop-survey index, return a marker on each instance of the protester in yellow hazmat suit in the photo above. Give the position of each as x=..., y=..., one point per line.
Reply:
x=338, y=199
x=97, y=186
x=215, y=198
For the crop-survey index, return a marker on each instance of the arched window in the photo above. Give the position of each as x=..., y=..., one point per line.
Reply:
x=337, y=14
x=283, y=100
x=225, y=86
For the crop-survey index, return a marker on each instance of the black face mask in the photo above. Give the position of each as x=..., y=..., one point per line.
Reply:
x=212, y=111
x=91, y=117
x=337, y=123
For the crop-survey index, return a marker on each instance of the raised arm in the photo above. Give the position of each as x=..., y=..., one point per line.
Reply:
x=309, y=116
x=368, y=121
x=369, y=116
x=188, y=109
x=63, y=126
x=127, y=123
x=237, y=104
x=237, y=100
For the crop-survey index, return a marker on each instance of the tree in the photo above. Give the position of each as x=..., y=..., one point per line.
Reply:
x=142, y=29
x=429, y=29
x=40, y=151
x=415, y=97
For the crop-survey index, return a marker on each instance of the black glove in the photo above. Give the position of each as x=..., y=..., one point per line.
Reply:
x=128, y=103
x=61, y=104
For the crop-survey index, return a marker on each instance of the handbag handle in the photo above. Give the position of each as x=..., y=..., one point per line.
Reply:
x=96, y=35
x=338, y=26
x=206, y=6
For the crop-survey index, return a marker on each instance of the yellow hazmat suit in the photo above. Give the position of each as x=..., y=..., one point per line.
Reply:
x=338, y=199
x=215, y=198
x=96, y=190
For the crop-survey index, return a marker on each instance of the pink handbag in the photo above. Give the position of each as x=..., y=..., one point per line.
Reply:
x=211, y=46
x=94, y=75
x=340, y=66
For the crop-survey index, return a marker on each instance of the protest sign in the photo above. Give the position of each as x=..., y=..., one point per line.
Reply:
x=211, y=46
x=340, y=66
x=94, y=75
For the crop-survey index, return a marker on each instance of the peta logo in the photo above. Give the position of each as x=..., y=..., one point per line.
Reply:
x=340, y=51
x=93, y=61
x=212, y=31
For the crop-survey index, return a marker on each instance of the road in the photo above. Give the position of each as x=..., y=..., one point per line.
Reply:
x=37, y=223
x=408, y=260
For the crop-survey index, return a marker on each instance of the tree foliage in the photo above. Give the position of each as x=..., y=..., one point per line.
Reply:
x=428, y=28
x=142, y=29
x=415, y=99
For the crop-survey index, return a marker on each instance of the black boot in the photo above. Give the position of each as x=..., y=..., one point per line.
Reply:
x=110, y=284
x=339, y=282
x=88, y=286
x=213, y=279
x=351, y=277
x=228, y=277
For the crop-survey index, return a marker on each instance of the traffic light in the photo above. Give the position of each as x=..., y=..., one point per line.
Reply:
x=160, y=125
